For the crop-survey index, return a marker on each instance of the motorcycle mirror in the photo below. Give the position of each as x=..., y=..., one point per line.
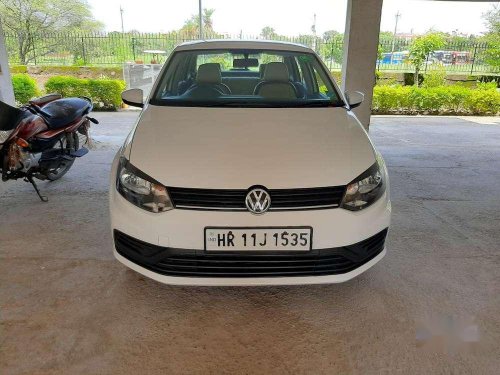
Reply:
x=133, y=97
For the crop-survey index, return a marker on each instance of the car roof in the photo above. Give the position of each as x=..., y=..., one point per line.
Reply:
x=242, y=44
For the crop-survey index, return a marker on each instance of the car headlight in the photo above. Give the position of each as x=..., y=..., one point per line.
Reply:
x=365, y=189
x=141, y=190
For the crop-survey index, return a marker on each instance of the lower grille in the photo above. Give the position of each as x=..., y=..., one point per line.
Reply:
x=193, y=263
x=281, y=199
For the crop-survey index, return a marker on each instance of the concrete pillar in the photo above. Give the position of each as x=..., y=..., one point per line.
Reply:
x=362, y=29
x=6, y=89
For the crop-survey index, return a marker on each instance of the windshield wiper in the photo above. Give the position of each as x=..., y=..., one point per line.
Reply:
x=318, y=104
x=248, y=104
x=242, y=104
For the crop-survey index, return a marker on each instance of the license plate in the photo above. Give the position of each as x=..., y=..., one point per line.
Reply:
x=258, y=239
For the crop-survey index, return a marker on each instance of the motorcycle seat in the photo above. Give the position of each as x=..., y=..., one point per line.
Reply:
x=63, y=112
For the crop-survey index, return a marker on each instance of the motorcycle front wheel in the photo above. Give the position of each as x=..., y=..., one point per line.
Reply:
x=68, y=143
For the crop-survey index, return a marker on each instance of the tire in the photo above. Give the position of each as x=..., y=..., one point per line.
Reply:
x=69, y=142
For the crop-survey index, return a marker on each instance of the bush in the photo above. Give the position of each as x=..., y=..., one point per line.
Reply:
x=458, y=97
x=486, y=85
x=435, y=77
x=483, y=102
x=409, y=79
x=15, y=69
x=337, y=75
x=390, y=98
x=24, y=88
x=486, y=79
x=80, y=71
x=67, y=86
x=105, y=93
x=436, y=100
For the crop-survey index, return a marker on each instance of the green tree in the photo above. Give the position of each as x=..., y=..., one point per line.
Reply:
x=492, y=18
x=192, y=25
x=331, y=35
x=457, y=39
x=421, y=47
x=268, y=33
x=380, y=52
x=207, y=19
x=308, y=40
x=29, y=18
x=331, y=47
x=386, y=37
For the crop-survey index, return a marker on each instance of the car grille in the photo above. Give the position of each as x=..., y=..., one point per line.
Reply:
x=198, y=263
x=281, y=199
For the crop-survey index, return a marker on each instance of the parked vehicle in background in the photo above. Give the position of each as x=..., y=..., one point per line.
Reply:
x=400, y=57
x=248, y=167
x=41, y=139
x=453, y=57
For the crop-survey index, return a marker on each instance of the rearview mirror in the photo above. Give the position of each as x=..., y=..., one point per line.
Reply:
x=355, y=98
x=133, y=97
x=245, y=63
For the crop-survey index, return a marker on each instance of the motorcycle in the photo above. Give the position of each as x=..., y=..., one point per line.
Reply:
x=42, y=139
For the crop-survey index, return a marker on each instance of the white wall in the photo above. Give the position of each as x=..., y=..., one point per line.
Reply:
x=361, y=40
x=6, y=90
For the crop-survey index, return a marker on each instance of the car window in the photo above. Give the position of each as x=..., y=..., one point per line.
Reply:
x=223, y=59
x=320, y=82
x=300, y=73
x=245, y=78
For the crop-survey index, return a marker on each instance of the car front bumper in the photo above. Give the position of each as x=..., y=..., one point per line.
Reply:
x=249, y=281
x=176, y=239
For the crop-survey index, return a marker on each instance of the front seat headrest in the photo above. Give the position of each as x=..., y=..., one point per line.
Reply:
x=262, y=69
x=209, y=74
x=276, y=72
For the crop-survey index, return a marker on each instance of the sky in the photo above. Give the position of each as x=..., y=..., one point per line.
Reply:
x=288, y=17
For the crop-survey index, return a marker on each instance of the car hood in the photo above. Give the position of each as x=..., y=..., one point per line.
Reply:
x=235, y=148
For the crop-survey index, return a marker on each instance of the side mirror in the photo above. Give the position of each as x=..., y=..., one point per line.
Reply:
x=133, y=98
x=355, y=98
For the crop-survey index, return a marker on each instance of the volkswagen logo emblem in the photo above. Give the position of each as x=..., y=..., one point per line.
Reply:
x=258, y=201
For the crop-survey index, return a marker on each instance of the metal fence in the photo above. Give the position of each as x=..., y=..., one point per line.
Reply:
x=118, y=48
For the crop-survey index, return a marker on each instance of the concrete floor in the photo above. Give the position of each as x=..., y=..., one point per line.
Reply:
x=431, y=306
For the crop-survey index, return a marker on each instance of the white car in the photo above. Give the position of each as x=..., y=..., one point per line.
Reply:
x=248, y=167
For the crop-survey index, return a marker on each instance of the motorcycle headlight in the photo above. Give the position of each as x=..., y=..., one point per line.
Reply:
x=365, y=189
x=141, y=190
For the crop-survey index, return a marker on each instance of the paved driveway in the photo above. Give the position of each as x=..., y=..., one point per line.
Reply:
x=431, y=306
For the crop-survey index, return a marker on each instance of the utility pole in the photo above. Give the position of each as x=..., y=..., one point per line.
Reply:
x=121, y=16
x=398, y=16
x=313, y=29
x=201, y=19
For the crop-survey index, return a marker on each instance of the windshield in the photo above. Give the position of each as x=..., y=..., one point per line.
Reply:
x=245, y=78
